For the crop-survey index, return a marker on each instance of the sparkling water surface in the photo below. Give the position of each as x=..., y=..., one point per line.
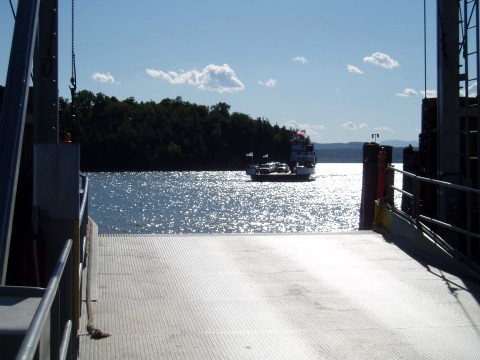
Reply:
x=225, y=202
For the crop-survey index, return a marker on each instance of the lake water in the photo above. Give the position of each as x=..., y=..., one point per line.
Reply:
x=225, y=202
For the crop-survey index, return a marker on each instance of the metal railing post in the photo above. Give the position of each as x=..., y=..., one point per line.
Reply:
x=416, y=199
x=469, y=224
x=32, y=337
x=417, y=216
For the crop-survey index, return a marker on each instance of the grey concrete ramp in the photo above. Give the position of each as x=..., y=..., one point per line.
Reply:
x=319, y=296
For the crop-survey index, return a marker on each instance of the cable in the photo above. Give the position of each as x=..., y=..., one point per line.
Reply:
x=13, y=11
x=425, y=44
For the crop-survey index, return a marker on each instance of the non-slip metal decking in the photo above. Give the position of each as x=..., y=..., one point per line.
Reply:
x=319, y=296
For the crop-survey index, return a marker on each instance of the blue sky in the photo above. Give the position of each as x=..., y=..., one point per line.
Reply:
x=341, y=70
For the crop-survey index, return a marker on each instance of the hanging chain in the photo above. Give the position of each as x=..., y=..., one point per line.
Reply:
x=73, y=79
x=73, y=88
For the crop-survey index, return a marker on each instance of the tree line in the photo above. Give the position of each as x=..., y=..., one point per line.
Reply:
x=173, y=134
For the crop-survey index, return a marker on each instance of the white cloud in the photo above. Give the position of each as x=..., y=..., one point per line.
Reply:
x=383, y=129
x=382, y=60
x=271, y=83
x=430, y=93
x=312, y=131
x=300, y=59
x=354, y=70
x=217, y=78
x=408, y=92
x=103, y=78
x=350, y=125
x=472, y=90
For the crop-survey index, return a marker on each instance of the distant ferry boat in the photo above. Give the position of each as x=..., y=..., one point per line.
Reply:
x=301, y=167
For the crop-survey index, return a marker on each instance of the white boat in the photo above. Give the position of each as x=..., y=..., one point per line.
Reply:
x=304, y=170
x=302, y=164
x=302, y=157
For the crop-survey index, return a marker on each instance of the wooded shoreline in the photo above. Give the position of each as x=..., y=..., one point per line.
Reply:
x=126, y=135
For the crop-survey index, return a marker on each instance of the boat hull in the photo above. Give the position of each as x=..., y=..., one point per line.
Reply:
x=304, y=171
x=282, y=177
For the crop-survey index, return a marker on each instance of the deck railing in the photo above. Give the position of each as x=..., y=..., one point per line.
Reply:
x=415, y=199
x=32, y=337
x=52, y=298
x=83, y=214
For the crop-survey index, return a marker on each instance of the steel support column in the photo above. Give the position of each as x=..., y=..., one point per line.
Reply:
x=46, y=75
x=12, y=119
x=448, y=136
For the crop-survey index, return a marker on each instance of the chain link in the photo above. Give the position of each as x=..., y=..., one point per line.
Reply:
x=73, y=79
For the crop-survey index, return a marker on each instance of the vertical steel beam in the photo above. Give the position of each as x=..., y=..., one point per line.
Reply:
x=448, y=136
x=45, y=71
x=12, y=119
x=477, y=94
x=50, y=194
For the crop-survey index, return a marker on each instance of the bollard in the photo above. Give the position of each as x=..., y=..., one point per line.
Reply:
x=389, y=176
x=382, y=165
x=369, y=185
x=410, y=164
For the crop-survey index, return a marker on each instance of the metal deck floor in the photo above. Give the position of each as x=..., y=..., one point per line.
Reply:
x=318, y=296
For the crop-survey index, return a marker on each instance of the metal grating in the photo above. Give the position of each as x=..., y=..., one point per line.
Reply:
x=325, y=296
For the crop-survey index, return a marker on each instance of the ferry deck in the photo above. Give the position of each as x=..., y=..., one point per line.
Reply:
x=351, y=295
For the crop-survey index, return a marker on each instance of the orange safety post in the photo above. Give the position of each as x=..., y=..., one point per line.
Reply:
x=67, y=138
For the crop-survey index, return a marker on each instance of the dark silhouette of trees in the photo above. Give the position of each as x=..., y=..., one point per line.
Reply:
x=170, y=135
